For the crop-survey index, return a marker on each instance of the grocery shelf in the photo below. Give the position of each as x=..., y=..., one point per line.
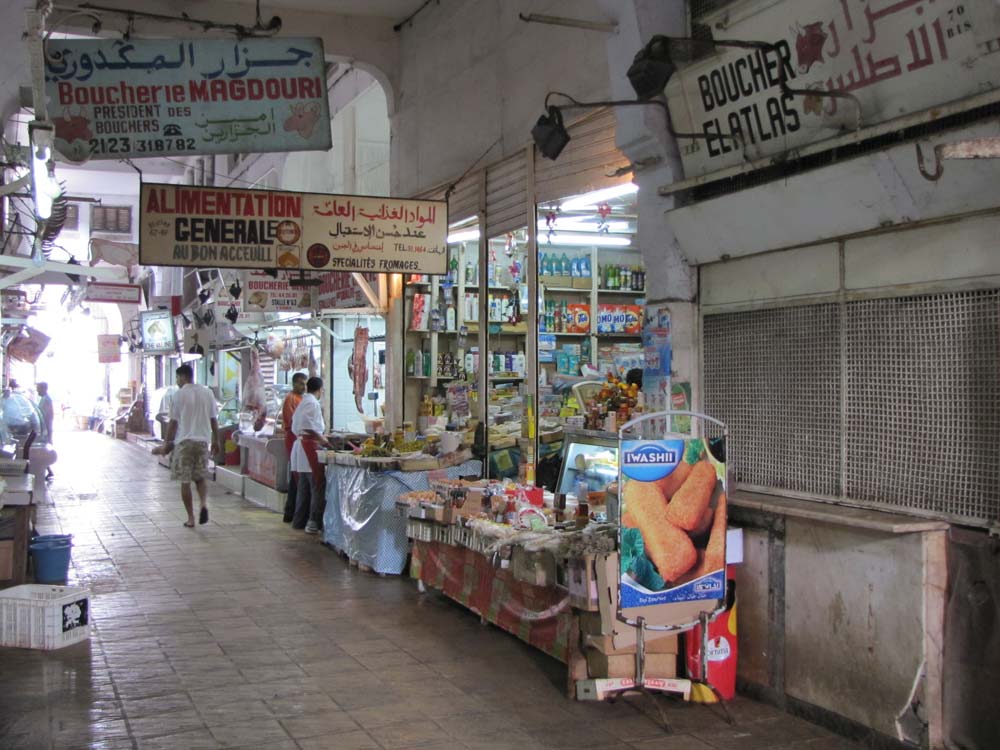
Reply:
x=635, y=292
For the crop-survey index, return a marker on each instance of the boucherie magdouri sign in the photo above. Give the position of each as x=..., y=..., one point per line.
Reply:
x=896, y=57
x=261, y=229
x=115, y=98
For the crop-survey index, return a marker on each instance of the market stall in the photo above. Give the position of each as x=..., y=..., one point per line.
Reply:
x=361, y=519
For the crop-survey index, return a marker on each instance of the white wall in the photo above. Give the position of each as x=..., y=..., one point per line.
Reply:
x=472, y=74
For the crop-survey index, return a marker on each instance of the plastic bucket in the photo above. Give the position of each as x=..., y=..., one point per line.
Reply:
x=67, y=538
x=51, y=560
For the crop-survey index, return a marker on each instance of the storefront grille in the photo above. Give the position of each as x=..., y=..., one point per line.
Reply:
x=923, y=408
x=774, y=377
x=920, y=401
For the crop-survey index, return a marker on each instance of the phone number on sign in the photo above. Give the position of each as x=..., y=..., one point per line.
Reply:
x=151, y=146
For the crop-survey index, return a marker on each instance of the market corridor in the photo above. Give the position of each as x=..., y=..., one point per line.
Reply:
x=245, y=634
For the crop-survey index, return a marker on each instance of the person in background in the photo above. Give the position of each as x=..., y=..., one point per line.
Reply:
x=288, y=407
x=195, y=426
x=48, y=417
x=308, y=425
x=98, y=415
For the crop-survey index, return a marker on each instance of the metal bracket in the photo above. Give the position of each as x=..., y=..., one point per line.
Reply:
x=609, y=27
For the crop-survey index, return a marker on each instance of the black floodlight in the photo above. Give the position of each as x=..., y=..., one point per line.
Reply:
x=304, y=281
x=235, y=289
x=651, y=68
x=204, y=295
x=232, y=314
x=550, y=134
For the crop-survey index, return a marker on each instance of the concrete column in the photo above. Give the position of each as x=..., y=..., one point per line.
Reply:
x=642, y=135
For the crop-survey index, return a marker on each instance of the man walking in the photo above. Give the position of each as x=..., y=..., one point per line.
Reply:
x=288, y=407
x=48, y=417
x=195, y=428
x=308, y=425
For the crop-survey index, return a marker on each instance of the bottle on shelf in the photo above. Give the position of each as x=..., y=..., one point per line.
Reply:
x=418, y=362
x=427, y=364
x=410, y=363
x=450, y=316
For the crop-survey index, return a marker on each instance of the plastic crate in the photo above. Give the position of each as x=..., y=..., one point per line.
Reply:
x=44, y=617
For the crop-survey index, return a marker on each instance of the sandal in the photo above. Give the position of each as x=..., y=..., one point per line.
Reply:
x=203, y=516
x=188, y=525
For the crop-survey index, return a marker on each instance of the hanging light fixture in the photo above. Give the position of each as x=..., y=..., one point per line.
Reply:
x=232, y=314
x=651, y=68
x=549, y=133
x=235, y=289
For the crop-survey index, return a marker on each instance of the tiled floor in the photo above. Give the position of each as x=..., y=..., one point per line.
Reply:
x=245, y=634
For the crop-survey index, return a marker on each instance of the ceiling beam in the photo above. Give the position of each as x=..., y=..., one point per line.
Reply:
x=19, y=277
x=100, y=273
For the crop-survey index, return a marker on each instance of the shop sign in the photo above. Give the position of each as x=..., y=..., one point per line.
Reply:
x=258, y=229
x=673, y=543
x=897, y=58
x=109, y=349
x=341, y=292
x=158, y=334
x=126, y=294
x=118, y=98
x=27, y=345
x=264, y=293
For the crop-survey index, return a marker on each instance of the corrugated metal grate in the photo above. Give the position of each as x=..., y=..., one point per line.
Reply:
x=921, y=401
x=507, y=195
x=774, y=377
x=923, y=410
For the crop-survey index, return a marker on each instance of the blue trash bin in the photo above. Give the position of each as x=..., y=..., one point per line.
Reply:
x=51, y=560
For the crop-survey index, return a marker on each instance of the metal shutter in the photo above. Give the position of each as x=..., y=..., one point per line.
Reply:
x=891, y=403
x=585, y=163
x=464, y=200
x=507, y=195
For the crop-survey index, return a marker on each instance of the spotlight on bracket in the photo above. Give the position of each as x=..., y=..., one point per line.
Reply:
x=232, y=314
x=204, y=295
x=549, y=133
x=651, y=68
x=235, y=289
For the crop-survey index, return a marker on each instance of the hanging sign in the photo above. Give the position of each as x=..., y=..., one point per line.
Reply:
x=27, y=345
x=109, y=349
x=264, y=293
x=115, y=98
x=114, y=293
x=258, y=229
x=673, y=530
x=340, y=291
x=896, y=58
x=158, y=334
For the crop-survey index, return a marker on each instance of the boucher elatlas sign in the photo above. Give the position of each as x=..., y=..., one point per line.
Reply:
x=118, y=98
x=258, y=229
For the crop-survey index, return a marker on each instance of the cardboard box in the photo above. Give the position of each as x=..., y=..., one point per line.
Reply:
x=581, y=580
x=621, y=638
x=583, y=282
x=603, y=665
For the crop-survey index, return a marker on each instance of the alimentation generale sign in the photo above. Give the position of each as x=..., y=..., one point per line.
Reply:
x=115, y=98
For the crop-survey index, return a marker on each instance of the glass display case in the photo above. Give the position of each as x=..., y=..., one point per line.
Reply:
x=590, y=456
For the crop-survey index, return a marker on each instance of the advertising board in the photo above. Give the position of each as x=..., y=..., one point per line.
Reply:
x=158, y=334
x=120, y=98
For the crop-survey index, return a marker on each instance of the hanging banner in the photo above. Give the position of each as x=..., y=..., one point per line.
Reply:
x=114, y=293
x=115, y=98
x=896, y=58
x=158, y=334
x=264, y=293
x=258, y=229
x=27, y=345
x=109, y=349
x=673, y=530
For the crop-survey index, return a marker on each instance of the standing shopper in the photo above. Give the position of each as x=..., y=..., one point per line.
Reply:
x=308, y=425
x=194, y=426
x=288, y=407
x=48, y=417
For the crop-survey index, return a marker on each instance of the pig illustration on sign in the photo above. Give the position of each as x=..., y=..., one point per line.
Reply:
x=72, y=127
x=809, y=41
x=303, y=119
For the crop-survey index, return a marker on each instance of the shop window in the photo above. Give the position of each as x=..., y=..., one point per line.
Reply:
x=889, y=403
x=113, y=219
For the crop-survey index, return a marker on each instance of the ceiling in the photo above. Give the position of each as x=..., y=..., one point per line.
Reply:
x=397, y=10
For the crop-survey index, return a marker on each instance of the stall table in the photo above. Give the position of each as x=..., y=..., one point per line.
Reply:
x=17, y=510
x=361, y=519
x=266, y=461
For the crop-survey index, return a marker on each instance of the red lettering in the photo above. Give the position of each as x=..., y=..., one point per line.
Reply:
x=237, y=90
x=255, y=89
x=65, y=93
x=199, y=91
x=272, y=88
x=177, y=92
x=218, y=89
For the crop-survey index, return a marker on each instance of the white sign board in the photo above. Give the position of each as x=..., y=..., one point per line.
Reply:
x=897, y=57
x=116, y=98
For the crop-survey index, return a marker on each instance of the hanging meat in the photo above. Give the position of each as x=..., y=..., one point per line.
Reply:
x=357, y=366
x=254, y=393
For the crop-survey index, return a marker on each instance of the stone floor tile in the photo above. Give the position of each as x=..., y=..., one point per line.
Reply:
x=199, y=739
x=231, y=713
x=167, y=723
x=408, y=734
x=262, y=732
x=302, y=703
x=319, y=724
x=345, y=741
x=156, y=705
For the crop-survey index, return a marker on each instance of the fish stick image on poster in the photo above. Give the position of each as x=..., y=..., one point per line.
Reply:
x=673, y=507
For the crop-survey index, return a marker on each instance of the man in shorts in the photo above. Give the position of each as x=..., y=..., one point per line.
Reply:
x=193, y=431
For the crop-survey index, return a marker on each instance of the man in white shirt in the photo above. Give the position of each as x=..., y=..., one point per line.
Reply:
x=195, y=428
x=308, y=425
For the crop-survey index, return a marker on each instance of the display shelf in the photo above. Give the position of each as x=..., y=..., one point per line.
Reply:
x=579, y=290
x=619, y=336
x=630, y=292
x=567, y=333
x=505, y=379
x=418, y=377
